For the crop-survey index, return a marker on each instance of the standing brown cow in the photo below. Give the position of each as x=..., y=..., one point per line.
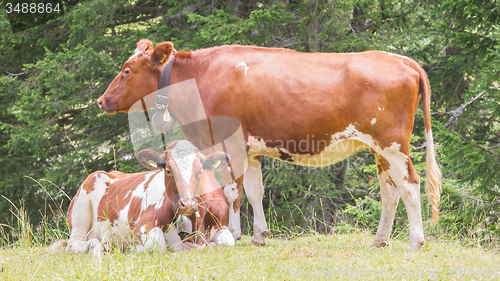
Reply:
x=311, y=109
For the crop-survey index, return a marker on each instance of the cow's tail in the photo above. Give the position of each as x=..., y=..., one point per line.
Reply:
x=433, y=173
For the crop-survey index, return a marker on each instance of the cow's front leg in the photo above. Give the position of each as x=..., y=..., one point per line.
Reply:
x=221, y=236
x=234, y=193
x=254, y=190
x=154, y=240
x=409, y=189
x=174, y=241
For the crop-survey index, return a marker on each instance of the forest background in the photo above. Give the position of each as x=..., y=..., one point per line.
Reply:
x=53, y=135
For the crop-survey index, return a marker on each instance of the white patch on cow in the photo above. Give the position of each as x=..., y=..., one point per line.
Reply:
x=221, y=237
x=136, y=53
x=154, y=240
x=335, y=152
x=118, y=232
x=231, y=192
x=156, y=191
x=341, y=146
x=123, y=213
x=243, y=65
x=153, y=194
x=184, y=154
x=102, y=230
x=252, y=182
x=374, y=120
x=380, y=108
x=84, y=221
x=390, y=197
x=95, y=196
x=234, y=222
x=225, y=238
x=128, y=193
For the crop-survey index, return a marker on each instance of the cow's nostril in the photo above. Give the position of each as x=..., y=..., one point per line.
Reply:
x=182, y=203
x=99, y=102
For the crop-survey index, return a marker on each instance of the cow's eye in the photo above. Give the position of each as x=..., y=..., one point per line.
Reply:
x=126, y=71
x=168, y=171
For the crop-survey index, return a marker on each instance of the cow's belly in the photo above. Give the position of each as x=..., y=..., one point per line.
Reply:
x=335, y=152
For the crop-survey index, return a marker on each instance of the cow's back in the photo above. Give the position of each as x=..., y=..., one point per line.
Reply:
x=283, y=95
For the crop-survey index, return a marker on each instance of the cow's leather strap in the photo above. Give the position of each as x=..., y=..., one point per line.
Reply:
x=161, y=102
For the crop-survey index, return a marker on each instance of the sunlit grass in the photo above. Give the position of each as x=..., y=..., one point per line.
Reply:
x=302, y=257
x=290, y=254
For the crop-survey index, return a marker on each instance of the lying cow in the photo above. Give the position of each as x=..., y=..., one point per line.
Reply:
x=137, y=211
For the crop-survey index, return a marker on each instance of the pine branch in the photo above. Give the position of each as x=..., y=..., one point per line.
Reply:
x=456, y=113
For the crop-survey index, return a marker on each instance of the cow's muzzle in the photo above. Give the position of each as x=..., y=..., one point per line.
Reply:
x=105, y=105
x=187, y=206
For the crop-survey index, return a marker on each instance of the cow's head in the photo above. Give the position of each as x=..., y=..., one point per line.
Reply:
x=184, y=167
x=138, y=78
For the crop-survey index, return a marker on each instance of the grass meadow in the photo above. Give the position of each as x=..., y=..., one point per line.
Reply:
x=290, y=254
x=300, y=256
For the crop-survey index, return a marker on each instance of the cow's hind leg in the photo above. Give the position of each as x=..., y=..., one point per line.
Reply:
x=81, y=216
x=390, y=197
x=407, y=182
x=410, y=193
x=252, y=181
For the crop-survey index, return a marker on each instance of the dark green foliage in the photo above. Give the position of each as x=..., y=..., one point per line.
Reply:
x=51, y=76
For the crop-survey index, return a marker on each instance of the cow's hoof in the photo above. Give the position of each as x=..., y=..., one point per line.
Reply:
x=379, y=244
x=58, y=246
x=192, y=246
x=95, y=246
x=236, y=235
x=258, y=242
x=416, y=246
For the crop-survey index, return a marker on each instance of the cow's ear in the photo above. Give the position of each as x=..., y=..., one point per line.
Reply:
x=215, y=161
x=162, y=52
x=144, y=45
x=150, y=159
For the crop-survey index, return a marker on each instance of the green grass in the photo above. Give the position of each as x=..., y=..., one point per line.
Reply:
x=304, y=257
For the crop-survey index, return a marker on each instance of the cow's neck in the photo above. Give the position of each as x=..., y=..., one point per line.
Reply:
x=165, y=74
x=186, y=68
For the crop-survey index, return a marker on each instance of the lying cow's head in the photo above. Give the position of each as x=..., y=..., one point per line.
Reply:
x=184, y=167
x=138, y=78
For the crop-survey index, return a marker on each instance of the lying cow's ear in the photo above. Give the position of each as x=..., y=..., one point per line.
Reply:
x=215, y=161
x=150, y=159
x=162, y=52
